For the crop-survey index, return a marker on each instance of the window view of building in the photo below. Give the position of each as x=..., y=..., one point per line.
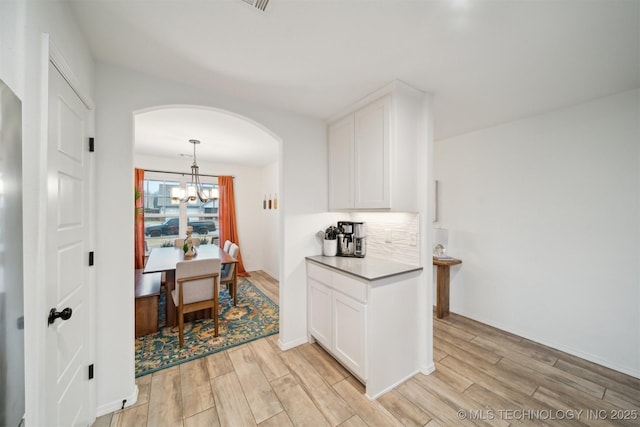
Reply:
x=165, y=220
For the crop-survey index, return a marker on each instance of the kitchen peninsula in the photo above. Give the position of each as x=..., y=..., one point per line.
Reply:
x=365, y=313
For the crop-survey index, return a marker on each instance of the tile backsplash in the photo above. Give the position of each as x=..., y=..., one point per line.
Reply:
x=392, y=235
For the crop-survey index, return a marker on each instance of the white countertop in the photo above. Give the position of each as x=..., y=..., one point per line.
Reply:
x=368, y=268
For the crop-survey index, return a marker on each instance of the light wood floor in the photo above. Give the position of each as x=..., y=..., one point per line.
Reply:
x=487, y=376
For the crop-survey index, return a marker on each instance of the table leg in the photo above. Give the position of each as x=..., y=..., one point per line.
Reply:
x=171, y=309
x=442, y=303
x=216, y=315
x=235, y=285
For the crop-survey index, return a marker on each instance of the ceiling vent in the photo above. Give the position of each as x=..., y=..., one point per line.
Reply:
x=258, y=4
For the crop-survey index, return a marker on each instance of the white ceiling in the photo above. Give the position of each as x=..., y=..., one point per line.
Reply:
x=486, y=61
x=224, y=138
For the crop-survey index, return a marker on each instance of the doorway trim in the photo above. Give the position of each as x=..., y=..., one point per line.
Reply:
x=280, y=162
x=58, y=61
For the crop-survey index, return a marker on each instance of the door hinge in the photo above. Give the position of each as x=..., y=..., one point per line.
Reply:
x=91, y=145
x=91, y=371
x=90, y=258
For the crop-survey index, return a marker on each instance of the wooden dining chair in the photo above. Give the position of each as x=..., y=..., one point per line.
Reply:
x=196, y=289
x=227, y=245
x=228, y=276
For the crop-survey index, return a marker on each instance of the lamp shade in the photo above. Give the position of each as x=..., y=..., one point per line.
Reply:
x=441, y=235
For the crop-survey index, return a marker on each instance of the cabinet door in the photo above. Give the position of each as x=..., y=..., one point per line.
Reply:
x=320, y=312
x=371, y=153
x=350, y=321
x=341, y=164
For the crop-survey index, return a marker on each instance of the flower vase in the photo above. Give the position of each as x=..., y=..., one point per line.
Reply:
x=189, y=250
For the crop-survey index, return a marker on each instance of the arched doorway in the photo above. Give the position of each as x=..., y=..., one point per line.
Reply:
x=230, y=145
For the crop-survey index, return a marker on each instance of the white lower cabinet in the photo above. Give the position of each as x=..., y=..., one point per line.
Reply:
x=338, y=320
x=372, y=327
x=320, y=322
x=349, y=333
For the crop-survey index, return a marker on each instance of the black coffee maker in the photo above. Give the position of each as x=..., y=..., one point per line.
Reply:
x=345, y=238
x=359, y=239
x=351, y=239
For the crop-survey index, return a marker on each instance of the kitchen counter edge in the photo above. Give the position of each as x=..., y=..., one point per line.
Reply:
x=370, y=269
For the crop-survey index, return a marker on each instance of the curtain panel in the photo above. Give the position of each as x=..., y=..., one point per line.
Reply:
x=139, y=218
x=227, y=218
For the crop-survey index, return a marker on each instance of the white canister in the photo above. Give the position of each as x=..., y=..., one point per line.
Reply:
x=330, y=247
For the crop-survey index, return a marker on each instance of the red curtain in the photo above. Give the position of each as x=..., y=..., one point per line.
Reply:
x=139, y=218
x=227, y=218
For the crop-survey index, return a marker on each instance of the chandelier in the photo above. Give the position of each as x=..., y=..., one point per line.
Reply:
x=194, y=189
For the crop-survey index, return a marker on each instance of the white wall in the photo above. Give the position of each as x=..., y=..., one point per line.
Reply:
x=545, y=215
x=23, y=62
x=270, y=220
x=302, y=201
x=247, y=185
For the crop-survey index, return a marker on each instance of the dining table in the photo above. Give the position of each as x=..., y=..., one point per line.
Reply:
x=165, y=260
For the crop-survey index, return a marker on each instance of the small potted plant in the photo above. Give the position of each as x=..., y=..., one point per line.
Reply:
x=330, y=243
x=187, y=247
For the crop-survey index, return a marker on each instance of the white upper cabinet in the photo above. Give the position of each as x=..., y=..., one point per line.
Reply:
x=372, y=152
x=341, y=166
x=371, y=155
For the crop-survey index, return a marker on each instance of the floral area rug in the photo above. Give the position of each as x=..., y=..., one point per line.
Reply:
x=254, y=317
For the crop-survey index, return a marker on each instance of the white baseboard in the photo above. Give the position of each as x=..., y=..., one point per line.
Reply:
x=429, y=369
x=107, y=408
x=271, y=274
x=291, y=344
x=379, y=393
x=540, y=340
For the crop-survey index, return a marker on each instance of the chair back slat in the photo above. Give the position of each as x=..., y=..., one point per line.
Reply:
x=195, y=278
x=228, y=269
x=233, y=250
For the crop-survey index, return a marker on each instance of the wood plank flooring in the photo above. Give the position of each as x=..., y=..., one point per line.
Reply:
x=483, y=376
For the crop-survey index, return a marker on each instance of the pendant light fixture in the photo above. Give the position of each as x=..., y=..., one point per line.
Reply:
x=194, y=189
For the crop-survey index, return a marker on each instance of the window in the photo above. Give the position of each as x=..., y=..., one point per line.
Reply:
x=203, y=217
x=164, y=221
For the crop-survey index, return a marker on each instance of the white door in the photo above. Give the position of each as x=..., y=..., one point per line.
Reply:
x=68, y=390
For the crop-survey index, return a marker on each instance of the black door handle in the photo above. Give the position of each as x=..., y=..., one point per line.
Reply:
x=64, y=314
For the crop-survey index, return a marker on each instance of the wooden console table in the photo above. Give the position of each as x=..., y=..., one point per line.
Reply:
x=442, y=300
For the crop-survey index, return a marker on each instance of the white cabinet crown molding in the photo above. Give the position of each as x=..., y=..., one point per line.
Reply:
x=396, y=86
